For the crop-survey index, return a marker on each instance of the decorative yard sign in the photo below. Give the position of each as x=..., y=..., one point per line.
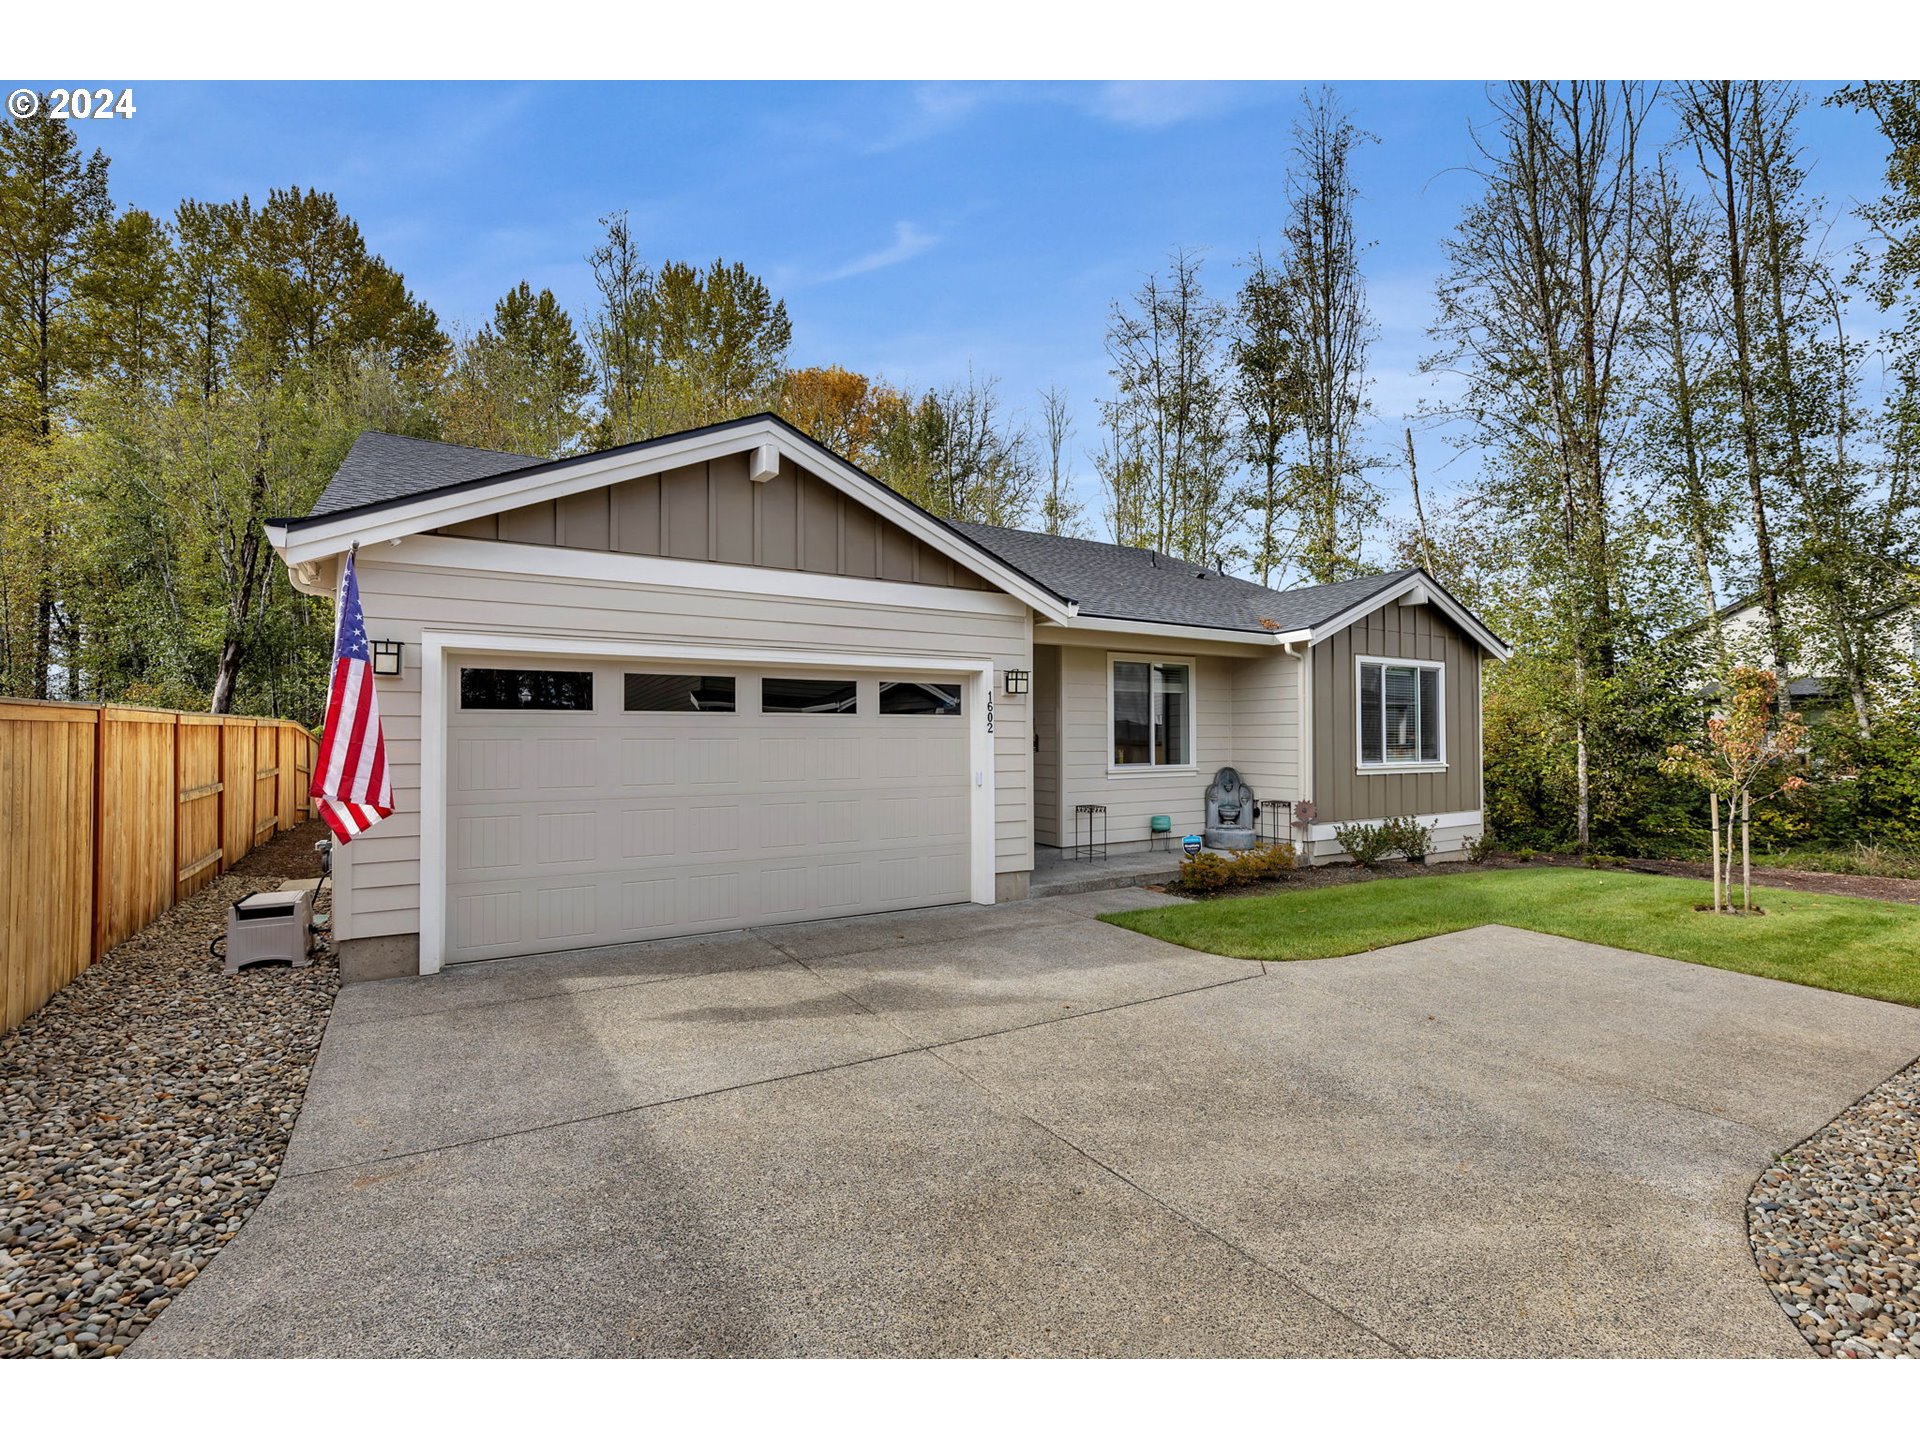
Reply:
x=1190, y=844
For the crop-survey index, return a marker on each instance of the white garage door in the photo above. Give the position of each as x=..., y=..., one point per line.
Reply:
x=592, y=803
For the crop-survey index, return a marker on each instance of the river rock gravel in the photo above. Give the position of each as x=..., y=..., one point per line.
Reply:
x=1835, y=1226
x=144, y=1112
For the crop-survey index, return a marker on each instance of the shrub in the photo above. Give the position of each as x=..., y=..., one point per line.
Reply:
x=1410, y=838
x=1367, y=844
x=1482, y=848
x=1206, y=873
x=1263, y=862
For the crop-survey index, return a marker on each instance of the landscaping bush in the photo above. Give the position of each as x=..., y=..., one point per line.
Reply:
x=1411, y=838
x=1263, y=862
x=1482, y=848
x=1206, y=873
x=1367, y=844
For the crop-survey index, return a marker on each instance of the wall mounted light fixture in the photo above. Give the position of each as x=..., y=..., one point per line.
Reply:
x=1017, y=681
x=386, y=657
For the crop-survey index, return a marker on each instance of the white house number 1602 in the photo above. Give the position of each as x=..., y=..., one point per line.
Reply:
x=989, y=714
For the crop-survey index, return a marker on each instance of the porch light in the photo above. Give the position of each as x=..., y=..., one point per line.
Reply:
x=1017, y=681
x=386, y=657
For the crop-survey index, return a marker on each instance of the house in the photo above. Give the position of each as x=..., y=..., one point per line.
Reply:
x=726, y=678
x=1815, y=681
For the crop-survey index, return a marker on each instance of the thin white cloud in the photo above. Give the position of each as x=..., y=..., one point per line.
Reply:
x=1155, y=104
x=909, y=240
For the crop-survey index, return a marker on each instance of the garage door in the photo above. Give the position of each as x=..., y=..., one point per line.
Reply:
x=593, y=804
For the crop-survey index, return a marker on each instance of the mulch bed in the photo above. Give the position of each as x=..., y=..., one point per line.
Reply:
x=1816, y=882
x=144, y=1113
x=1865, y=887
x=1835, y=1227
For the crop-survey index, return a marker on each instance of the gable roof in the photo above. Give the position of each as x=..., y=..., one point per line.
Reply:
x=1119, y=582
x=395, y=484
x=382, y=467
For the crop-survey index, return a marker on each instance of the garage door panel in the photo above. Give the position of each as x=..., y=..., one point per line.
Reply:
x=570, y=829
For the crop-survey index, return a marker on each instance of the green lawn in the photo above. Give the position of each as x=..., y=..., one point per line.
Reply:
x=1864, y=947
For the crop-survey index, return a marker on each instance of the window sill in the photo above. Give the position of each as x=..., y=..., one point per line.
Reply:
x=1115, y=772
x=1425, y=769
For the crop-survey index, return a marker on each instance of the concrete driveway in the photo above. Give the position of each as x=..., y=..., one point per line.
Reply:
x=1018, y=1131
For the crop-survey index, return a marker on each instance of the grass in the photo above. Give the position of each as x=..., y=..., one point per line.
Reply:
x=1862, y=859
x=1861, y=947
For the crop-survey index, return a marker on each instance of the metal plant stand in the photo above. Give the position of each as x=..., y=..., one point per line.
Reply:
x=1084, y=850
x=1275, y=828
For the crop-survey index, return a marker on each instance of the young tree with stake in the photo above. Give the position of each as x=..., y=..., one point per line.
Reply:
x=1750, y=743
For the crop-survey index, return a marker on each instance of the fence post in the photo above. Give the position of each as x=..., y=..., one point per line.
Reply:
x=220, y=803
x=99, y=831
x=178, y=808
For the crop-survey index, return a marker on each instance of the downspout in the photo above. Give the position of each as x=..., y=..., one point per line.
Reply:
x=1303, y=653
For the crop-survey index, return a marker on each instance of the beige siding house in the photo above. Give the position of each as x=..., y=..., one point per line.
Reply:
x=724, y=678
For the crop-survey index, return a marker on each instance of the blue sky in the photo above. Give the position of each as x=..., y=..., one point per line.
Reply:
x=912, y=229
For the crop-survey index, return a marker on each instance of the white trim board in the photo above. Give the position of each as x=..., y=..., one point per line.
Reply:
x=1429, y=593
x=1323, y=830
x=300, y=543
x=497, y=557
x=438, y=646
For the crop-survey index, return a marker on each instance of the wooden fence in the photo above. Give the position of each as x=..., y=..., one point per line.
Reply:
x=109, y=814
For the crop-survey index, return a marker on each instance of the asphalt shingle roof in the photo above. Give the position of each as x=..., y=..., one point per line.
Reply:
x=1114, y=582
x=1118, y=582
x=382, y=467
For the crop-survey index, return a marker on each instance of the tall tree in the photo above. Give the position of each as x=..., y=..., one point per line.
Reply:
x=53, y=207
x=1535, y=314
x=1332, y=330
x=682, y=346
x=1269, y=400
x=522, y=382
x=1059, y=510
x=1166, y=354
x=1716, y=120
x=1680, y=300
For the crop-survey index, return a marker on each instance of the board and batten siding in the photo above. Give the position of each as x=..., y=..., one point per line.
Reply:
x=1134, y=795
x=377, y=878
x=712, y=511
x=1341, y=790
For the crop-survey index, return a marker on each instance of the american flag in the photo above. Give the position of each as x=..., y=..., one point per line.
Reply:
x=350, y=775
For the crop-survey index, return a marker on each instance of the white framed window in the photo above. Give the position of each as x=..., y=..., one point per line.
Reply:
x=1400, y=714
x=1149, y=712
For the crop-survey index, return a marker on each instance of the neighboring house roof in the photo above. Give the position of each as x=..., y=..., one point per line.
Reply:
x=1119, y=582
x=384, y=472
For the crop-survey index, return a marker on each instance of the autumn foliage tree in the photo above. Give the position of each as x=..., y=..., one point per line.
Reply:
x=1750, y=747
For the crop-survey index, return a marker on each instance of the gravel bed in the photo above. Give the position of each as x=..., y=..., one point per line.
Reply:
x=1835, y=1226
x=144, y=1112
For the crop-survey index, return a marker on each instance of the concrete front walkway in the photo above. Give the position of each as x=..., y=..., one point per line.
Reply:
x=1018, y=1131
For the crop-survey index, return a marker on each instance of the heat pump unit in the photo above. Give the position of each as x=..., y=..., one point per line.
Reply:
x=270, y=925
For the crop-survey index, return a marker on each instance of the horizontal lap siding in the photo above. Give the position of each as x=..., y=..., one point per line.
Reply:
x=1134, y=798
x=1044, y=705
x=1266, y=725
x=378, y=885
x=1413, y=632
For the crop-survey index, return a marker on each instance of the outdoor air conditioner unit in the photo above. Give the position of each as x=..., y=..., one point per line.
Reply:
x=270, y=925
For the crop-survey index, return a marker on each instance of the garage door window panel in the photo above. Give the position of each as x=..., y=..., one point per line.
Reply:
x=918, y=697
x=515, y=689
x=786, y=695
x=679, y=694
